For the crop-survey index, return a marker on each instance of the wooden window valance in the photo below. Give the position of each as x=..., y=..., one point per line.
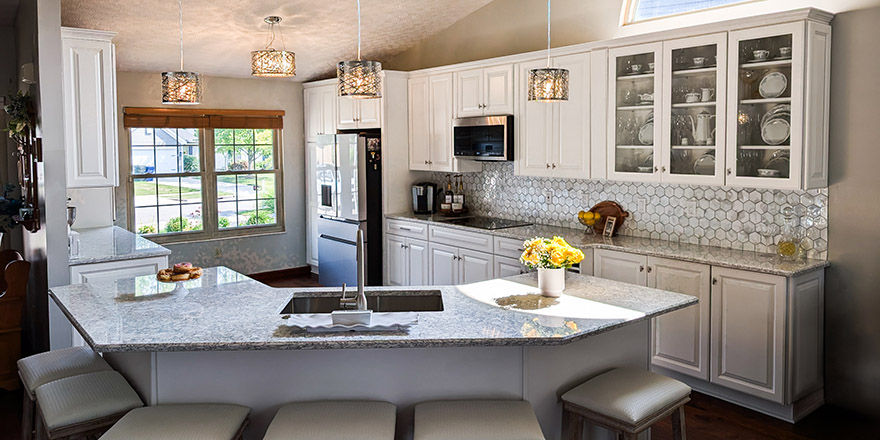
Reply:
x=134, y=117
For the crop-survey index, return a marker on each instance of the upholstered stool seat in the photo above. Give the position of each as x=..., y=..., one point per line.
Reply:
x=181, y=422
x=52, y=365
x=84, y=404
x=476, y=420
x=334, y=420
x=626, y=400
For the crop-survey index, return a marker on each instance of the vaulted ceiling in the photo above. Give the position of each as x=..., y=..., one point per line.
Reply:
x=220, y=34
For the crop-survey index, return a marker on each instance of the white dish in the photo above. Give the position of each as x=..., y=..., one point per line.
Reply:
x=705, y=165
x=646, y=133
x=646, y=169
x=773, y=85
x=775, y=131
x=765, y=172
x=381, y=321
x=351, y=317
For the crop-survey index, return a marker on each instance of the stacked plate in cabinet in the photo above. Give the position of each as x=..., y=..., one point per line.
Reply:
x=776, y=125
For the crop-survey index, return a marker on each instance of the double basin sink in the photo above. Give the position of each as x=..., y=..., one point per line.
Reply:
x=377, y=301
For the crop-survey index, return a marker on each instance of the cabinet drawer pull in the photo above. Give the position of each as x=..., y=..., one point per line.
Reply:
x=404, y=228
x=641, y=268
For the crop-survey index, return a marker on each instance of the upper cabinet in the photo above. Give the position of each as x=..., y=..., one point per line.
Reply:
x=634, y=112
x=693, y=99
x=554, y=138
x=89, y=99
x=430, y=125
x=486, y=91
x=773, y=131
x=320, y=105
x=355, y=113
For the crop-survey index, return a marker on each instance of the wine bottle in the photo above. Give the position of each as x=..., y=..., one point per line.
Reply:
x=458, y=197
x=446, y=204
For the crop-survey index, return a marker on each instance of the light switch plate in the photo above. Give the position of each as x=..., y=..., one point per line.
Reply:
x=642, y=204
x=690, y=209
x=548, y=196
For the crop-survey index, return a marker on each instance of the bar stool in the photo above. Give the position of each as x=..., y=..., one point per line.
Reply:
x=46, y=367
x=627, y=401
x=181, y=422
x=83, y=405
x=334, y=420
x=476, y=420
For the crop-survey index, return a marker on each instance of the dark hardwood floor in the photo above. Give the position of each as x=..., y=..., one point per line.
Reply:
x=706, y=418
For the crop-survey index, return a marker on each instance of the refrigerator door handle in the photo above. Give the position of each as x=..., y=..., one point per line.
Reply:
x=338, y=240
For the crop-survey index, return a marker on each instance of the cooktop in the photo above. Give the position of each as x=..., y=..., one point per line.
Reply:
x=489, y=223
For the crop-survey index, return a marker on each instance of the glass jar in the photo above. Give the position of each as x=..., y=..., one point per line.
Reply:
x=789, y=246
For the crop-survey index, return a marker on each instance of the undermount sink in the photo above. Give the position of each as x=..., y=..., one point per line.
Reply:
x=377, y=301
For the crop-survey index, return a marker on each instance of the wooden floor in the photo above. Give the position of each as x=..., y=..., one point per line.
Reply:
x=310, y=280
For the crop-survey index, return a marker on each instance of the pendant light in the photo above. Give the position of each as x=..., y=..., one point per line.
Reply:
x=548, y=84
x=359, y=79
x=181, y=87
x=270, y=62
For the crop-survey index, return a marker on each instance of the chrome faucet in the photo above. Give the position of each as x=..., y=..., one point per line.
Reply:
x=359, y=302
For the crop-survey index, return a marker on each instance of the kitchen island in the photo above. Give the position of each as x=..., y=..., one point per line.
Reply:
x=226, y=339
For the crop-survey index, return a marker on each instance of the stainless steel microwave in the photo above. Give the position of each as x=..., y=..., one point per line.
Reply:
x=488, y=138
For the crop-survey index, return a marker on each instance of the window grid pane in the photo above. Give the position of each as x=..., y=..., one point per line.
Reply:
x=246, y=190
x=648, y=9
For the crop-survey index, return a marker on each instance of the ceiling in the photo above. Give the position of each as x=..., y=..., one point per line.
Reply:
x=219, y=34
x=8, y=9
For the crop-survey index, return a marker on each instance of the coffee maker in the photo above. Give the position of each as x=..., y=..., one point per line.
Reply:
x=425, y=198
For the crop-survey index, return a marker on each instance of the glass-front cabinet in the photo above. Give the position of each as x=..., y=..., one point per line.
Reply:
x=634, y=123
x=693, y=98
x=765, y=130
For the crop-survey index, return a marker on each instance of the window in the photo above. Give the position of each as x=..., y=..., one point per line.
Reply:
x=207, y=182
x=641, y=10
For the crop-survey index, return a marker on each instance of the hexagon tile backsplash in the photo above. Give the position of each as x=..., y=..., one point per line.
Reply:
x=736, y=218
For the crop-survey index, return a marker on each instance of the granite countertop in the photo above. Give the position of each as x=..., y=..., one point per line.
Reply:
x=711, y=255
x=225, y=310
x=112, y=243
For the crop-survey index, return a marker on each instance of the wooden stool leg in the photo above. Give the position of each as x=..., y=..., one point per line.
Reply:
x=575, y=425
x=678, y=428
x=27, y=416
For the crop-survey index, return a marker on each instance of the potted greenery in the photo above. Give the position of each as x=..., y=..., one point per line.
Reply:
x=20, y=123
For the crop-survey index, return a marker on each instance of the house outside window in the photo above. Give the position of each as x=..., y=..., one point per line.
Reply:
x=202, y=183
x=644, y=10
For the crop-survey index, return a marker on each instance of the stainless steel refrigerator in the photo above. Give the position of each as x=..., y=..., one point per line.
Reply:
x=349, y=184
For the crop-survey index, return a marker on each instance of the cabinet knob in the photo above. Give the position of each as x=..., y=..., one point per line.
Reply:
x=554, y=166
x=729, y=172
x=663, y=169
x=714, y=281
x=656, y=168
x=641, y=268
x=426, y=162
x=650, y=269
x=548, y=165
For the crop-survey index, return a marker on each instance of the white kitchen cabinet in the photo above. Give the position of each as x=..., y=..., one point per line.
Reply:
x=620, y=266
x=508, y=267
x=484, y=92
x=748, y=328
x=554, y=138
x=114, y=270
x=450, y=265
x=443, y=261
x=680, y=340
x=89, y=100
x=430, y=126
x=320, y=114
x=406, y=261
x=694, y=98
x=353, y=113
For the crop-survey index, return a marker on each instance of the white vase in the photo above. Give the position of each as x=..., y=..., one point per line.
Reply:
x=551, y=281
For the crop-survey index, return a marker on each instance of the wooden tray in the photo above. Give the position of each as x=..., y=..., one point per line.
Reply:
x=608, y=209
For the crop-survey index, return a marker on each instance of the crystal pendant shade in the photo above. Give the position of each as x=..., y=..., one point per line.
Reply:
x=181, y=88
x=359, y=79
x=548, y=85
x=273, y=63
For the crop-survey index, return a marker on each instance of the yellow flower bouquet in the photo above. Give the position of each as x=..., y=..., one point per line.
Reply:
x=546, y=253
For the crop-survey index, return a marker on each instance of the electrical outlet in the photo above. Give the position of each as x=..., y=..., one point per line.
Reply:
x=690, y=209
x=642, y=204
x=548, y=196
x=585, y=200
